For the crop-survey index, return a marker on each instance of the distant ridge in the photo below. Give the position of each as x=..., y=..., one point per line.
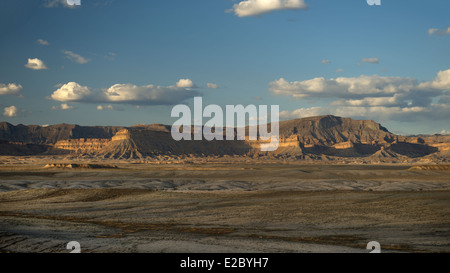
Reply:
x=51, y=134
x=321, y=138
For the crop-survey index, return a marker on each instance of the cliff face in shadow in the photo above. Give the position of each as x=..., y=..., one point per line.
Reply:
x=53, y=133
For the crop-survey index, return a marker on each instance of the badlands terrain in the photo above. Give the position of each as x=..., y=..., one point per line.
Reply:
x=333, y=185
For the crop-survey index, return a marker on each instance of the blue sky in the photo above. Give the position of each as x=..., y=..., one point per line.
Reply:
x=117, y=62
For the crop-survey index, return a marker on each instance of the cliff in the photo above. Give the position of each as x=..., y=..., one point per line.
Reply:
x=330, y=130
x=315, y=137
x=83, y=145
x=21, y=149
x=52, y=134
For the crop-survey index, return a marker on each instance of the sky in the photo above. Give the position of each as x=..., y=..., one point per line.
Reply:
x=127, y=62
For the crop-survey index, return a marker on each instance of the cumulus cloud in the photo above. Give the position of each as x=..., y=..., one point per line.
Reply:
x=10, y=111
x=362, y=87
x=63, y=106
x=71, y=91
x=374, y=97
x=212, y=85
x=370, y=60
x=442, y=81
x=440, y=32
x=259, y=7
x=75, y=57
x=342, y=87
x=186, y=83
x=147, y=94
x=10, y=89
x=123, y=93
x=35, y=64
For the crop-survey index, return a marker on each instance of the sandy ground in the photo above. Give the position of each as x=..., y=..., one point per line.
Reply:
x=222, y=207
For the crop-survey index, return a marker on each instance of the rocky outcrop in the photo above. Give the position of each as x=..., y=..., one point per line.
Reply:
x=83, y=145
x=138, y=142
x=344, y=145
x=442, y=147
x=123, y=134
x=330, y=130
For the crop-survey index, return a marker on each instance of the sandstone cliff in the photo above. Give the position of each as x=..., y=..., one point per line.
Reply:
x=83, y=145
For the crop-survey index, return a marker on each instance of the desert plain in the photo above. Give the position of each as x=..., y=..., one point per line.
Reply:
x=221, y=206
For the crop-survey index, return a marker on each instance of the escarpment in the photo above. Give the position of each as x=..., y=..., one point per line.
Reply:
x=319, y=138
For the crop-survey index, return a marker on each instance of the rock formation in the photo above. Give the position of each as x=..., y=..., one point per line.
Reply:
x=316, y=137
x=82, y=145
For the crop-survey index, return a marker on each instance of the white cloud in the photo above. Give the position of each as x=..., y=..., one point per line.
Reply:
x=186, y=83
x=75, y=57
x=362, y=87
x=43, y=42
x=442, y=81
x=63, y=106
x=36, y=64
x=379, y=113
x=371, y=60
x=440, y=32
x=10, y=89
x=147, y=94
x=10, y=111
x=371, y=101
x=342, y=87
x=374, y=97
x=325, y=61
x=71, y=91
x=339, y=70
x=212, y=85
x=383, y=113
x=259, y=7
x=304, y=113
x=123, y=93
